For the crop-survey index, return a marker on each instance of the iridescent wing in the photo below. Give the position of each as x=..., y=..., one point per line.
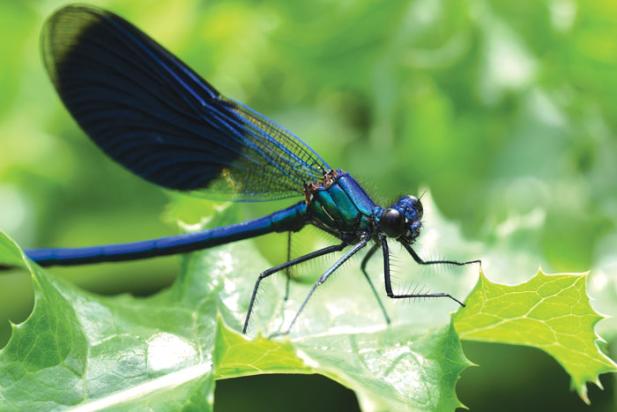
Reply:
x=158, y=118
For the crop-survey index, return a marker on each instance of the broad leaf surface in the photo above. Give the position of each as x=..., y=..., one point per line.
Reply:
x=165, y=352
x=549, y=312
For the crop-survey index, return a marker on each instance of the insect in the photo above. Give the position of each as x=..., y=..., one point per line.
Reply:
x=155, y=116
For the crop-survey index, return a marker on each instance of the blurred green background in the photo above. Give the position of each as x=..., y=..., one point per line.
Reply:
x=506, y=111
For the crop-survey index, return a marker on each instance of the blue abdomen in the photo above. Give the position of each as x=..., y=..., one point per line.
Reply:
x=343, y=208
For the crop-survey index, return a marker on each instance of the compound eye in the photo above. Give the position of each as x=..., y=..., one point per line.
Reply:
x=392, y=223
x=419, y=209
x=416, y=205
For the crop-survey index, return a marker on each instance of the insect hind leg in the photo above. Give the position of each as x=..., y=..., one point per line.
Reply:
x=323, y=278
x=288, y=268
x=288, y=277
x=283, y=266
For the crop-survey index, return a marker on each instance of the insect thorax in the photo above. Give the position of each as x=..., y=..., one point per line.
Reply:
x=339, y=205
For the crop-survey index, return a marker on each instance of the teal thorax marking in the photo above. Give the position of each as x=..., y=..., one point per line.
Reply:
x=341, y=207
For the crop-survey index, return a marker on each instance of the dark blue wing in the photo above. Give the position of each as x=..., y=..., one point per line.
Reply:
x=154, y=115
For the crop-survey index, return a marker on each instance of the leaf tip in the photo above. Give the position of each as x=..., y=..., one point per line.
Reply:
x=11, y=254
x=582, y=393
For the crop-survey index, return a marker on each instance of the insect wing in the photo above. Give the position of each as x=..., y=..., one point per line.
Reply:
x=154, y=115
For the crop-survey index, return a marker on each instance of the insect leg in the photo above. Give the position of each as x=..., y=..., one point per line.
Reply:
x=388, y=281
x=421, y=261
x=325, y=277
x=287, y=280
x=368, y=257
x=288, y=268
x=282, y=266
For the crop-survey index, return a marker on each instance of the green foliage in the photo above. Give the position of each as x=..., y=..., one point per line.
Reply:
x=506, y=110
x=76, y=348
x=549, y=312
x=164, y=352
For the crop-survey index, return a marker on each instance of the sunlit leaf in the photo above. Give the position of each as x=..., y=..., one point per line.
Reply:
x=549, y=312
x=165, y=352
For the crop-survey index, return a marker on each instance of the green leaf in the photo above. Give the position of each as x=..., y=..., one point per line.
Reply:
x=393, y=370
x=97, y=352
x=164, y=352
x=549, y=312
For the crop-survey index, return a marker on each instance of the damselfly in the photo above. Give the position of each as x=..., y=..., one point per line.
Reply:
x=155, y=116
